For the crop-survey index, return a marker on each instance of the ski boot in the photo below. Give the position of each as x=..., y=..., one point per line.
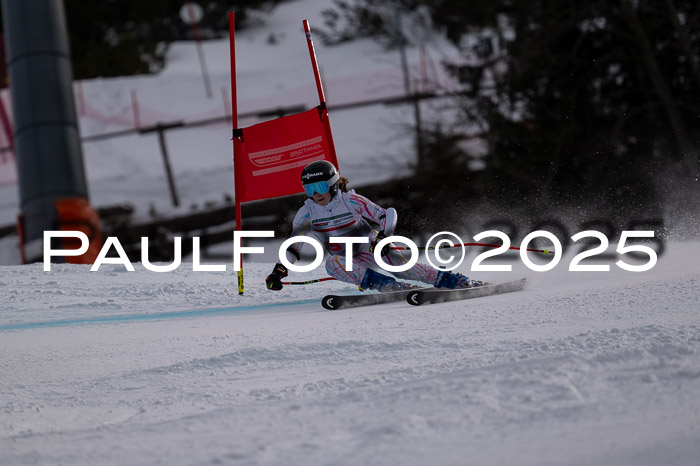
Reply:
x=455, y=280
x=376, y=281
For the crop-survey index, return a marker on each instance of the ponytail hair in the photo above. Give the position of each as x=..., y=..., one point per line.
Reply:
x=343, y=184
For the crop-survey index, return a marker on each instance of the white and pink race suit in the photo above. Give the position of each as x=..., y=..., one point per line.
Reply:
x=347, y=214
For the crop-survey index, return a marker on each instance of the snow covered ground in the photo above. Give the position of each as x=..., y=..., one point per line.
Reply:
x=116, y=367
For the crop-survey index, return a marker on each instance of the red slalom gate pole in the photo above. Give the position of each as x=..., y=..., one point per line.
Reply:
x=314, y=62
x=200, y=51
x=236, y=140
x=321, y=96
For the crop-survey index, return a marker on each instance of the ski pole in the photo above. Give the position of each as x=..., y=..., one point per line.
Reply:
x=487, y=245
x=309, y=282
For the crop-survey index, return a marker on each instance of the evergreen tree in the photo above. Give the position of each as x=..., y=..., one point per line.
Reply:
x=575, y=98
x=581, y=94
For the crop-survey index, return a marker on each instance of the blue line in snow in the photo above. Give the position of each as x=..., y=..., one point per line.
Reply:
x=154, y=316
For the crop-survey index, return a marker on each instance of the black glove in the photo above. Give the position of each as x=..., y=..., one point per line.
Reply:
x=274, y=280
x=385, y=249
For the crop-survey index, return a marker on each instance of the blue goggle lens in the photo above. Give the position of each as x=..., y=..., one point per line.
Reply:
x=321, y=187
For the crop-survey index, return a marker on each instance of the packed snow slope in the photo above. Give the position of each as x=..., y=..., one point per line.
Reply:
x=116, y=367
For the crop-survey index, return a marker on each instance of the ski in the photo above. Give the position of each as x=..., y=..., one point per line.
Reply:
x=333, y=302
x=436, y=295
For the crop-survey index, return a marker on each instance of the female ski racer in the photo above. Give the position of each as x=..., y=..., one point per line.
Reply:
x=332, y=210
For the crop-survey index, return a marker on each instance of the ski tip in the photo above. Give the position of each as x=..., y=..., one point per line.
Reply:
x=413, y=298
x=331, y=302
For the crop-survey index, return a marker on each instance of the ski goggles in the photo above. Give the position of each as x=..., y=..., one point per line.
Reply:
x=320, y=187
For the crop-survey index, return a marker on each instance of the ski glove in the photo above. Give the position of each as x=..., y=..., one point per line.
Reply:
x=385, y=250
x=274, y=280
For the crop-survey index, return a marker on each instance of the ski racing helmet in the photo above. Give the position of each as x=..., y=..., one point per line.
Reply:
x=320, y=177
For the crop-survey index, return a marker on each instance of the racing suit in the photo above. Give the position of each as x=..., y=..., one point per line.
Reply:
x=349, y=215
